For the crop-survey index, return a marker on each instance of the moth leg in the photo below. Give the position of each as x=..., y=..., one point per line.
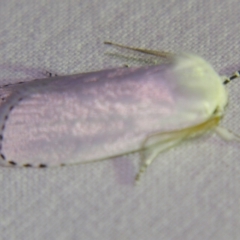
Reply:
x=227, y=134
x=162, y=145
x=145, y=163
x=142, y=50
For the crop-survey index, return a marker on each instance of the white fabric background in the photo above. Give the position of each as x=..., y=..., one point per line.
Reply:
x=190, y=192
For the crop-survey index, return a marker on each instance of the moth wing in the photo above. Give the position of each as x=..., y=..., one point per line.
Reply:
x=93, y=116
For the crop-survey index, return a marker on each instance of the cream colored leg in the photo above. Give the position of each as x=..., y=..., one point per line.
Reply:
x=154, y=152
x=227, y=134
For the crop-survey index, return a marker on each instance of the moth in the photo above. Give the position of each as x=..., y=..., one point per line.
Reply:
x=65, y=120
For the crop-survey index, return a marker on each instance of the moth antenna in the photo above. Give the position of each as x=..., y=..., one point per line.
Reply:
x=142, y=50
x=234, y=76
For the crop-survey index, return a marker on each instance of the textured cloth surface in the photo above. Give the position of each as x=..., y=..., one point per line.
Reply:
x=189, y=192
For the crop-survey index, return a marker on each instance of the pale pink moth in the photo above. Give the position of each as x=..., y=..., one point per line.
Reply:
x=66, y=120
